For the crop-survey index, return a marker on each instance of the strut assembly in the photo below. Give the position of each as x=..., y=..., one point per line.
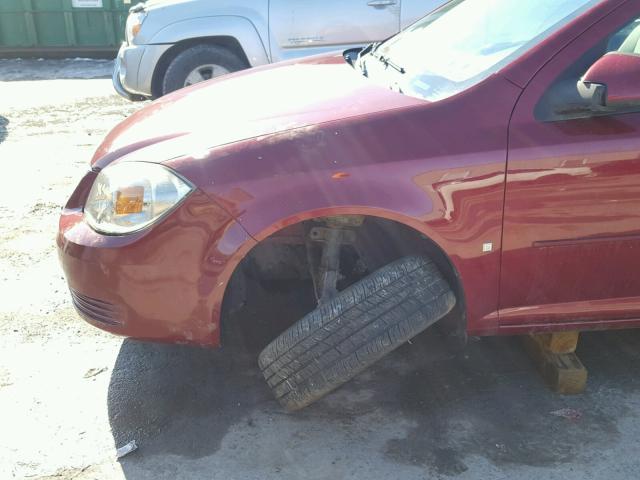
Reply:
x=335, y=232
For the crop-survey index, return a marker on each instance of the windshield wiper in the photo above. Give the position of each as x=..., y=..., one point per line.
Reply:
x=371, y=51
x=359, y=59
x=387, y=62
x=368, y=49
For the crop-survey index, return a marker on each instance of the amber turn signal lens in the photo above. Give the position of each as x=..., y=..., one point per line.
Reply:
x=136, y=29
x=129, y=200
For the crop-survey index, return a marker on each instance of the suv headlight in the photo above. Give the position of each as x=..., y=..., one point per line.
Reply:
x=132, y=195
x=134, y=24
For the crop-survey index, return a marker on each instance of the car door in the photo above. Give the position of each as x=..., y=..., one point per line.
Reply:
x=571, y=238
x=413, y=10
x=299, y=28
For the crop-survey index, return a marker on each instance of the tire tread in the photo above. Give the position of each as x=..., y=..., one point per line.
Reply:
x=360, y=325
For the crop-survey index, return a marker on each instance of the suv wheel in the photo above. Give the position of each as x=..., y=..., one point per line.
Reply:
x=199, y=63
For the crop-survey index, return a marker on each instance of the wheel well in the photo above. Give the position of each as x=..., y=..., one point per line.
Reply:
x=279, y=265
x=228, y=42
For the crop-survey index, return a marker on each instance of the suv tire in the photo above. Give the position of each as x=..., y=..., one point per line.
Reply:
x=201, y=58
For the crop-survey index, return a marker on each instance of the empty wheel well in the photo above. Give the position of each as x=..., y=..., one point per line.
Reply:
x=227, y=42
x=279, y=268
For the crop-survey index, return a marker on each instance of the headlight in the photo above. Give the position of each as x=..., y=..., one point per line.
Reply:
x=129, y=196
x=134, y=23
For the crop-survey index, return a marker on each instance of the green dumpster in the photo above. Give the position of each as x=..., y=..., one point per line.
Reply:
x=62, y=27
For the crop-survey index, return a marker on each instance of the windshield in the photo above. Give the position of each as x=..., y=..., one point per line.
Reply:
x=464, y=42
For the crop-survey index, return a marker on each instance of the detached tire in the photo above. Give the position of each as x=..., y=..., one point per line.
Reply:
x=359, y=326
x=208, y=60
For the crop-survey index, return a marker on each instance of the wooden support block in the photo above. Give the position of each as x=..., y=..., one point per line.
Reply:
x=559, y=342
x=563, y=372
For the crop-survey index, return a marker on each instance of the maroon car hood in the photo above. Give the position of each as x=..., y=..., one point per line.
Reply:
x=249, y=104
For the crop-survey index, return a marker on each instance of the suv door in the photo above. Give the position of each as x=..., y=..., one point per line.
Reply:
x=571, y=240
x=305, y=27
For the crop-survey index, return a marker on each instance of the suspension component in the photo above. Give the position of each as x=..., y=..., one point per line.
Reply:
x=336, y=232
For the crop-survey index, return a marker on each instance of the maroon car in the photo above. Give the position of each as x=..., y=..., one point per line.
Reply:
x=482, y=167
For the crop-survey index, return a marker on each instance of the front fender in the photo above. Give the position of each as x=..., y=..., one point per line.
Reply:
x=454, y=201
x=438, y=168
x=240, y=28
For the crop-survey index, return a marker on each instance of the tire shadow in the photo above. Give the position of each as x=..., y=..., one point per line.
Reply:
x=428, y=405
x=183, y=400
x=180, y=400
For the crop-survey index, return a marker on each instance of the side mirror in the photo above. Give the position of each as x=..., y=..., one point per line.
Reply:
x=613, y=82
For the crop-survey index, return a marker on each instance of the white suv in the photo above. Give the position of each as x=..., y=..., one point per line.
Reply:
x=171, y=44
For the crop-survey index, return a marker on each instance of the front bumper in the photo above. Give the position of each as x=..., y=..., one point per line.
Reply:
x=134, y=68
x=119, y=88
x=125, y=72
x=165, y=283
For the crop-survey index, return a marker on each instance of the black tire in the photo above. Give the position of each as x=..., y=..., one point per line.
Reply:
x=356, y=328
x=192, y=58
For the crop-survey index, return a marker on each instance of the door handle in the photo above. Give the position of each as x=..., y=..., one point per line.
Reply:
x=381, y=3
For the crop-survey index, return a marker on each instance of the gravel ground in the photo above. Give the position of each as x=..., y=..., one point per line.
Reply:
x=70, y=394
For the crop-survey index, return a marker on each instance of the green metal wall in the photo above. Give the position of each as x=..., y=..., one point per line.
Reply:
x=55, y=26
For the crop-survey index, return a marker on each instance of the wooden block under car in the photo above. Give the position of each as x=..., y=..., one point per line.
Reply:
x=563, y=372
x=559, y=342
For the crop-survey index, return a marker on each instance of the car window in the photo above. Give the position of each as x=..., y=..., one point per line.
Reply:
x=562, y=100
x=627, y=39
x=623, y=36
